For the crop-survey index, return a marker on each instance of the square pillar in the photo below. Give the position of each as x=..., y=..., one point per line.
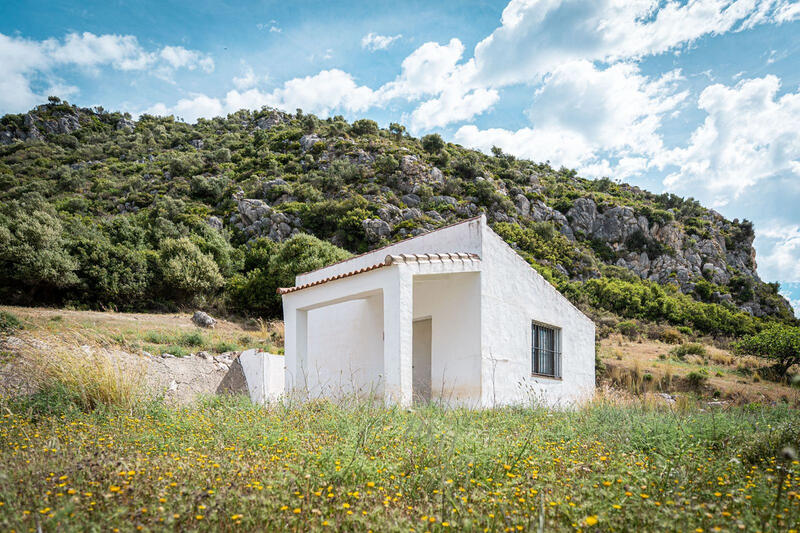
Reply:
x=398, y=312
x=296, y=350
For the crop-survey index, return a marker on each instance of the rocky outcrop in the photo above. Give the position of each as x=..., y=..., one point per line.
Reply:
x=274, y=118
x=255, y=218
x=415, y=173
x=540, y=212
x=35, y=127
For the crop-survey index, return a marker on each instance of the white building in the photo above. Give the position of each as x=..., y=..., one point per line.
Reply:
x=454, y=315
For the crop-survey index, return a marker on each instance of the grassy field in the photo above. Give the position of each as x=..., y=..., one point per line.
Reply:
x=226, y=465
x=646, y=365
x=84, y=454
x=155, y=333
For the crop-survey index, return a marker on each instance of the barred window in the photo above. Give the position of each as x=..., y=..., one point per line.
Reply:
x=546, y=350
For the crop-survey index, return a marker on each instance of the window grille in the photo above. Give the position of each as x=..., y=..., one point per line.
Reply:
x=546, y=351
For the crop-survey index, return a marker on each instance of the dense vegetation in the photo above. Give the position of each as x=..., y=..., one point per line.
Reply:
x=98, y=211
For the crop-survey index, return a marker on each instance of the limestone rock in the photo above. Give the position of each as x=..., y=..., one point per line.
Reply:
x=523, y=205
x=376, y=229
x=214, y=222
x=307, y=142
x=203, y=320
x=411, y=200
x=124, y=124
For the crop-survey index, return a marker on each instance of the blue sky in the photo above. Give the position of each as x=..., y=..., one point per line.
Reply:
x=699, y=98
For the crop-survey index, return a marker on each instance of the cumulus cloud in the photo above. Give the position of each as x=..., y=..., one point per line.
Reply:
x=247, y=80
x=779, y=251
x=618, y=108
x=531, y=40
x=373, y=41
x=452, y=106
x=749, y=135
x=427, y=70
x=592, y=110
x=24, y=61
x=321, y=94
x=180, y=57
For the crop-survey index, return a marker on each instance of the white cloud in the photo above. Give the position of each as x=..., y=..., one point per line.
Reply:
x=794, y=302
x=622, y=109
x=272, y=26
x=89, y=50
x=580, y=112
x=779, y=252
x=24, y=61
x=749, y=134
x=180, y=57
x=532, y=40
x=452, y=106
x=19, y=60
x=373, y=41
x=322, y=94
x=788, y=12
x=427, y=70
x=247, y=80
x=556, y=145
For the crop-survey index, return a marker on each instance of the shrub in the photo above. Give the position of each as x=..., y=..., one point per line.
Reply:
x=192, y=339
x=9, y=322
x=697, y=378
x=225, y=346
x=32, y=249
x=778, y=343
x=628, y=328
x=274, y=265
x=175, y=349
x=690, y=348
x=433, y=143
x=364, y=126
x=671, y=336
x=186, y=272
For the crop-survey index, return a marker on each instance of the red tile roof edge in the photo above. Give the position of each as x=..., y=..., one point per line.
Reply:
x=390, y=260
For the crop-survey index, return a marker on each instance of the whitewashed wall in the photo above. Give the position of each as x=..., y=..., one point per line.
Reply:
x=513, y=295
x=345, y=348
x=264, y=374
x=452, y=301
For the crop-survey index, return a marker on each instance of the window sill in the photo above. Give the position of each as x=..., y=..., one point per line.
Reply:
x=545, y=376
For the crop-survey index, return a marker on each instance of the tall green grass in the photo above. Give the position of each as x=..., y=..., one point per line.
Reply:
x=355, y=465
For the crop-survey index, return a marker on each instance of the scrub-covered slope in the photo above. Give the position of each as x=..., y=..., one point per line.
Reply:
x=101, y=210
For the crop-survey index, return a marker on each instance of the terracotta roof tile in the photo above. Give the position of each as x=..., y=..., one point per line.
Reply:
x=390, y=260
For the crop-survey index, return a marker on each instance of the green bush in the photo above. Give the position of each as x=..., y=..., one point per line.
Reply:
x=225, y=346
x=269, y=266
x=364, y=126
x=690, y=348
x=432, y=143
x=186, y=272
x=628, y=328
x=697, y=378
x=651, y=301
x=9, y=322
x=193, y=339
x=778, y=343
x=33, y=253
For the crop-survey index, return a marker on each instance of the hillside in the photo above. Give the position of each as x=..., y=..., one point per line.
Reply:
x=99, y=210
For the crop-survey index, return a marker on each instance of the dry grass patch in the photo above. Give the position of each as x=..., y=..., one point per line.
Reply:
x=86, y=371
